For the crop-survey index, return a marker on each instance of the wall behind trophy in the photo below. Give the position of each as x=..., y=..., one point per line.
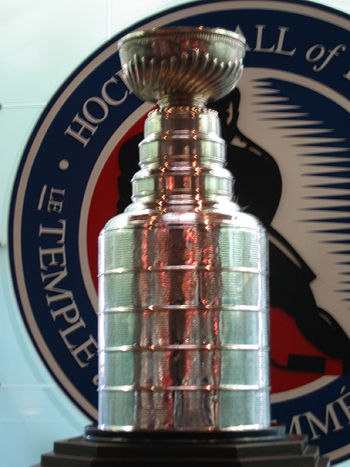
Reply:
x=41, y=44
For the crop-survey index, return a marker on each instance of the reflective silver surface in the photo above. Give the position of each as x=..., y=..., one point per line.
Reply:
x=183, y=306
x=182, y=66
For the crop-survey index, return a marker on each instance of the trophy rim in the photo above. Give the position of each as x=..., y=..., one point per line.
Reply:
x=178, y=30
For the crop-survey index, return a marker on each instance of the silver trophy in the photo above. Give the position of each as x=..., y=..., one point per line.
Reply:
x=183, y=306
x=183, y=303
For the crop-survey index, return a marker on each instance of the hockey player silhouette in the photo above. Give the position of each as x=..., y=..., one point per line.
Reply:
x=306, y=341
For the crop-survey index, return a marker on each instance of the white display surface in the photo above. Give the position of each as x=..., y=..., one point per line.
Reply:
x=41, y=44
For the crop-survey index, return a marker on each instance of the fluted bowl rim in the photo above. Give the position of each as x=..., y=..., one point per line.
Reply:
x=139, y=58
x=147, y=33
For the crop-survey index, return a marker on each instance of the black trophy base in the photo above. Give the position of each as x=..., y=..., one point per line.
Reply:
x=264, y=448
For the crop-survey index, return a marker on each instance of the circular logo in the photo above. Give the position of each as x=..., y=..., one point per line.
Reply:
x=288, y=146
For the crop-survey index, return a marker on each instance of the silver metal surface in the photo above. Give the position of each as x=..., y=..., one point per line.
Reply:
x=182, y=66
x=183, y=306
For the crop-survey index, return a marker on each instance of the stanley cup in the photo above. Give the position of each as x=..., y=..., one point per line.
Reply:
x=183, y=302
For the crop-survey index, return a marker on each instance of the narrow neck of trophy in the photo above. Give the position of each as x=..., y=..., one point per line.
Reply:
x=182, y=159
x=178, y=100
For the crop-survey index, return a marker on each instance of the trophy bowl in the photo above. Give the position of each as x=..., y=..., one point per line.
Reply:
x=181, y=65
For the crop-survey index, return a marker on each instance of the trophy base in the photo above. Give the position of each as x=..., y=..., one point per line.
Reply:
x=263, y=448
